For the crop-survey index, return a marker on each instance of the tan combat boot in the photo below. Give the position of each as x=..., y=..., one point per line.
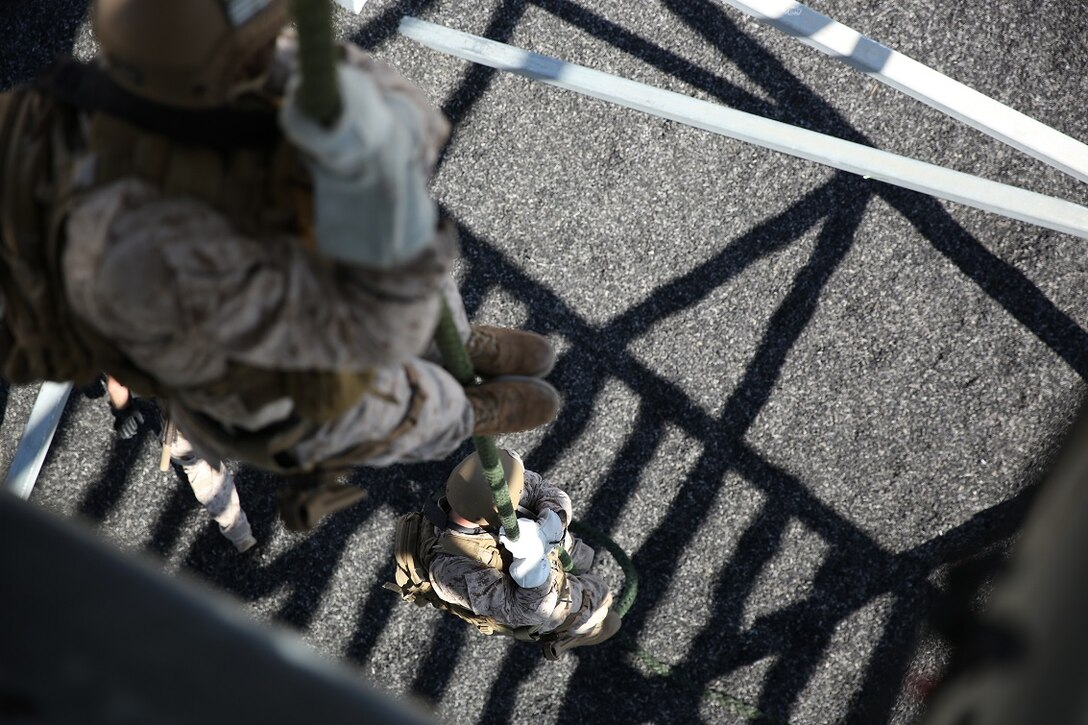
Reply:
x=608, y=627
x=498, y=351
x=512, y=405
x=309, y=497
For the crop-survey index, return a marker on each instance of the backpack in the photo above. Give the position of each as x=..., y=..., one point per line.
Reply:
x=37, y=339
x=416, y=544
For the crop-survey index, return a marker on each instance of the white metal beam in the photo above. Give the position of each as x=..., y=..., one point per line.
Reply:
x=1011, y=201
x=37, y=436
x=921, y=82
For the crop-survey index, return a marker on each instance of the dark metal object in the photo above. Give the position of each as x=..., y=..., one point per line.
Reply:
x=91, y=635
x=1028, y=656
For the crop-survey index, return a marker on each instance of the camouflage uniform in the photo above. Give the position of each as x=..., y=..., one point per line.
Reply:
x=209, y=297
x=214, y=488
x=578, y=606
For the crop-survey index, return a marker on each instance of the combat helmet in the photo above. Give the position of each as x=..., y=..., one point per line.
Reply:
x=469, y=495
x=184, y=53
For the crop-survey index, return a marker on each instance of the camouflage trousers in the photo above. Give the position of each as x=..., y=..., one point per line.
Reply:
x=419, y=411
x=416, y=412
x=214, y=488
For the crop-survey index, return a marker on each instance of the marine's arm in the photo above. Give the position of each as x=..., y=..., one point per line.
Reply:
x=489, y=592
x=184, y=294
x=372, y=167
x=541, y=495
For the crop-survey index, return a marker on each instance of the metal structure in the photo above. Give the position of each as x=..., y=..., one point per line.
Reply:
x=1010, y=201
x=36, y=438
x=921, y=82
x=93, y=635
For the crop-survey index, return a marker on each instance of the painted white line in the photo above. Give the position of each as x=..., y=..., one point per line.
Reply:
x=38, y=434
x=921, y=82
x=1011, y=201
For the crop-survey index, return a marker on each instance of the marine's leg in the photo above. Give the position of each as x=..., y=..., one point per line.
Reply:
x=119, y=394
x=126, y=418
x=417, y=412
x=213, y=486
x=594, y=622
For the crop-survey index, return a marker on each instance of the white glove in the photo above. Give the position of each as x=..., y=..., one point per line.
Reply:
x=347, y=147
x=551, y=528
x=371, y=203
x=530, y=567
x=530, y=544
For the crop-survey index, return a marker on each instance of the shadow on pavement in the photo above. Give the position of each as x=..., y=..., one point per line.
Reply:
x=35, y=34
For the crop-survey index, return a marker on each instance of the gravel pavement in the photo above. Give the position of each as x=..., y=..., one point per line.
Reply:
x=792, y=394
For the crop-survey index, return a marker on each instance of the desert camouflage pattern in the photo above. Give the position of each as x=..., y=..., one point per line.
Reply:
x=184, y=296
x=490, y=592
x=213, y=486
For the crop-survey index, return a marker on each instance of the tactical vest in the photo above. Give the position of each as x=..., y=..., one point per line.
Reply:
x=235, y=160
x=416, y=545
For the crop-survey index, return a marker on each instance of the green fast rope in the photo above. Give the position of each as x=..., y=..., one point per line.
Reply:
x=319, y=91
x=455, y=359
x=566, y=561
x=319, y=98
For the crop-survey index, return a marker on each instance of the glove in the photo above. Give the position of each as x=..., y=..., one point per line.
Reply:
x=127, y=421
x=551, y=528
x=348, y=146
x=530, y=567
x=371, y=200
x=530, y=545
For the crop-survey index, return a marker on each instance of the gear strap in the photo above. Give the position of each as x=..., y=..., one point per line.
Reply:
x=270, y=447
x=87, y=87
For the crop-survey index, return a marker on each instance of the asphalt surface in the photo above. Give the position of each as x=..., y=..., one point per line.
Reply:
x=793, y=395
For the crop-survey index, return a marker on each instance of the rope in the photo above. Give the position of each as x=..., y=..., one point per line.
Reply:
x=567, y=562
x=737, y=706
x=319, y=98
x=456, y=360
x=319, y=91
